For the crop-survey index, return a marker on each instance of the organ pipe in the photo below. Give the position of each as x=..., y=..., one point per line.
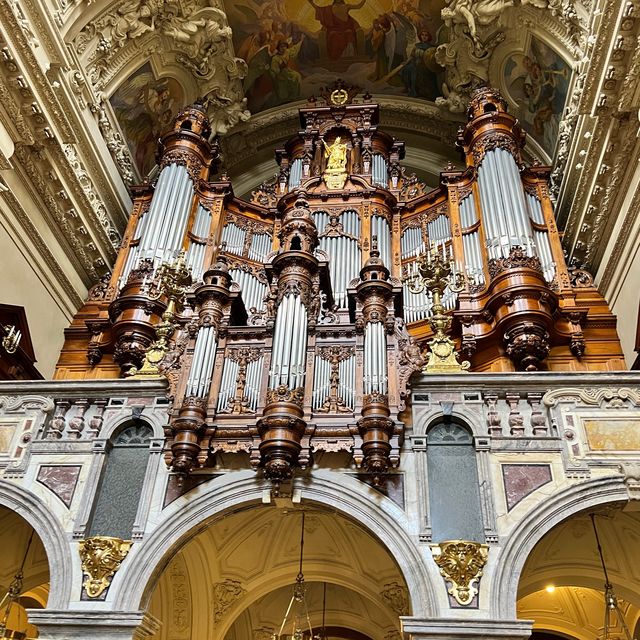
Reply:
x=295, y=176
x=161, y=230
x=503, y=204
x=253, y=291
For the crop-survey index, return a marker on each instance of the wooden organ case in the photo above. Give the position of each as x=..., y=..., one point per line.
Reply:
x=300, y=331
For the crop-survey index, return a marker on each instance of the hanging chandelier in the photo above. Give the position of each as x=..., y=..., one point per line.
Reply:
x=10, y=598
x=611, y=607
x=296, y=624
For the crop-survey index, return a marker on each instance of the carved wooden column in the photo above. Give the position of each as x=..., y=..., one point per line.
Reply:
x=188, y=428
x=375, y=295
x=186, y=158
x=520, y=301
x=295, y=267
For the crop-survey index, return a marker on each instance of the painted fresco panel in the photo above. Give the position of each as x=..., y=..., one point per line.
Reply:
x=538, y=82
x=145, y=107
x=295, y=47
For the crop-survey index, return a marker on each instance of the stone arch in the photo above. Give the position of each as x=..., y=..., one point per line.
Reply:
x=554, y=510
x=48, y=529
x=133, y=584
x=470, y=421
x=121, y=422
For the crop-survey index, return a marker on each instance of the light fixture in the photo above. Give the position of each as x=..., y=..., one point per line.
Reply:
x=297, y=613
x=550, y=588
x=10, y=598
x=11, y=337
x=611, y=606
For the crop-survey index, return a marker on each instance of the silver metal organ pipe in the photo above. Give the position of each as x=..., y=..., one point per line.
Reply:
x=252, y=387
x=194, y=373
x=228, y=384
x=276, y=348
x=202, y=364
x=542, y=246
x=302, y=348
x=156, y=208
x=518, y=204
x=277, y=352
x=253, y=291
x=488, y=209
x=381, y=358
x=380, y=228
x=375, y=360
x=295, y=174
x=287, y=339
x=499, y=203
x=223, y=391
x=295, y=343
x=177, y=219
x=158, y=249
x=498, y=206
x=170, y=204
x=508, y=211
x=180, y=217
x=212, y=347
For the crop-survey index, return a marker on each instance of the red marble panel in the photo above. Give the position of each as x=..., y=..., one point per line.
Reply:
x=522, y=479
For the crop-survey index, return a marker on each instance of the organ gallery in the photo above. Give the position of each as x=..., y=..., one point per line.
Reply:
x=319, y=320
x=299, y=318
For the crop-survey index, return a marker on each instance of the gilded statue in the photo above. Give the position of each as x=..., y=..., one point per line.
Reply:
x=336, y=155
x=335, y=173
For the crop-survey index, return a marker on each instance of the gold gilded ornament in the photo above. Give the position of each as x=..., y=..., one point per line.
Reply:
x=436, y=275
x=101, y=557
x=461, y=563
x=335, y=174
x=174, y=281
x=339, y=97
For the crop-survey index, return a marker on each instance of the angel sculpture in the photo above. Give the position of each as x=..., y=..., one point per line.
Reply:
x=473, y=13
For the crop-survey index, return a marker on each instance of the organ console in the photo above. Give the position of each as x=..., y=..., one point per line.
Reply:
x=303, y=325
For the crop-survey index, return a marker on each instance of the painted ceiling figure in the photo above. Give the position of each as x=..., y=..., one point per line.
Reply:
x=340, y=28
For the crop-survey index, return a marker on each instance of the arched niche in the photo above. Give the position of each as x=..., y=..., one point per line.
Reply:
x=48, y=531
x=521, y=540
x=246, y=565
x=564, y=572
x=455, y=510
x=122, y=480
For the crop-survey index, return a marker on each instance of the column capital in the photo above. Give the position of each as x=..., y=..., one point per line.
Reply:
x=464, y=628
x=94, y=624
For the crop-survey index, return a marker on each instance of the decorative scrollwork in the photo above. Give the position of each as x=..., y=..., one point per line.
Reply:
x=101, y=558
x=461, y=564
x=517, y=259
x=282, y=393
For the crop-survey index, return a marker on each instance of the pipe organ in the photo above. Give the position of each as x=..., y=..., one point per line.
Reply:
x=301, y=328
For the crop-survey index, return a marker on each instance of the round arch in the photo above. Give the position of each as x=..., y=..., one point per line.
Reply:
x=513, y=555
x=132, y=588
x=47, y=527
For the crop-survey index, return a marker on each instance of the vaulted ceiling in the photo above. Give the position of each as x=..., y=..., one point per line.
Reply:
x=235, y=579
x=562, y=584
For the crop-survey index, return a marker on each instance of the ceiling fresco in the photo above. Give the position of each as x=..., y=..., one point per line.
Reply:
x=537, y=81
x=294, y=47
x=145, y=107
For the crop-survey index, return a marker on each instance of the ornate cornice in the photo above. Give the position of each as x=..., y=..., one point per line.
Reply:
x=67, y=232
x=21, y=43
